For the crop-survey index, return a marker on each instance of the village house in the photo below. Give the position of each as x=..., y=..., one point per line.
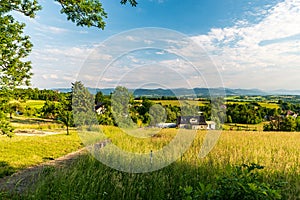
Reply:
x=290, y=113
x=100, y=108
x=211, y=125
x=192, y=122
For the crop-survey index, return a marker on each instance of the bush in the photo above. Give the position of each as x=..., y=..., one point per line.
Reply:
x=5, y=169
x=30, y=112
x=242, y=182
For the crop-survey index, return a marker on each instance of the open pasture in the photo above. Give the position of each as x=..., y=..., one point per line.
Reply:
x=87, y=178
x=38, y=104
x=20, y=122
x=20, y=152
x=180, y=103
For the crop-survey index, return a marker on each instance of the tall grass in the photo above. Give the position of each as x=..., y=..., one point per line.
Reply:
x=89, y=179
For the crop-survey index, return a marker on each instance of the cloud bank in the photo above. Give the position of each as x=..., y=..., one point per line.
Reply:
x=262, y=54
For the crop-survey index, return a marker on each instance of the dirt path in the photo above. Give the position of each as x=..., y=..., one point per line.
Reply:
x=24, y=179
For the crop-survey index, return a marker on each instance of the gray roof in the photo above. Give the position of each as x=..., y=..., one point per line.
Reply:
x=192, y=120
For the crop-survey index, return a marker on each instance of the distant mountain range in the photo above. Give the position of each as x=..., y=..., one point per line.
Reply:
x=192, y=92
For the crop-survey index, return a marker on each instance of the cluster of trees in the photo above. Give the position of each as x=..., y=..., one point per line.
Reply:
x=285, y=119
x=277, y=119
x=123, y=110
x=120, y=108
x=74, y=108
x=36, y=94
x=15, y=69
x=250, y=113
x=288, y=106
x=157, y=98
x=281, y=123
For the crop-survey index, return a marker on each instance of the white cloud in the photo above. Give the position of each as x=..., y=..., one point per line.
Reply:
x=261, y=53
x=41, y=28
x=83, y=32
x=239, y=48
x=130, y=38
x=49, y=76
x=55, y=30
x=57, y=65
x=158, y=1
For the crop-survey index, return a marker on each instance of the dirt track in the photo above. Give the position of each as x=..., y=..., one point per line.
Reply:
x=25, y=179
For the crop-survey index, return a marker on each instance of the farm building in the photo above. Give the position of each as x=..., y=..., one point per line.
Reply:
x=192, y=122
x=211, y=125
x=166, y=125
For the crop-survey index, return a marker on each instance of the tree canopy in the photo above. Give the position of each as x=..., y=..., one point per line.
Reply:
x=83, y=106
x=15, y=46
x=120, y=103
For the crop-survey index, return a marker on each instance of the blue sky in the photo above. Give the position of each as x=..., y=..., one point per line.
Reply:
x=250, y=44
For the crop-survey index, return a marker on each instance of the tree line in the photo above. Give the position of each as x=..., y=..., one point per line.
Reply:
x=120, y=108
x=15, y=46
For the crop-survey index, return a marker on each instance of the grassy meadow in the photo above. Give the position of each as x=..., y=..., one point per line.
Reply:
x=180, y=103
x=20, y=152
x=190, y=177
x=243, y=127
x=38, y=104
x=262, y=104
x=20, y=122
x=269, y=105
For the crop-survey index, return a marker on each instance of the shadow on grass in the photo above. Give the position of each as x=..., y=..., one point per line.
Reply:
x=32, y=121
x=6, y=169
x=87, y=178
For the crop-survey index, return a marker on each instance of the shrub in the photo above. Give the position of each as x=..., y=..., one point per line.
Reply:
x=241, y=182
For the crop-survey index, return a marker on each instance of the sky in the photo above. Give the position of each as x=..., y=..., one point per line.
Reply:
x=193, y=43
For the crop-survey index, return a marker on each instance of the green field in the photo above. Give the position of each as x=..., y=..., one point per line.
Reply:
x=203, y=103
x=20, y=152
x=20, y=122
x=23, y=151
x=243, y=127
x=269, y=105
x=87, y=178
x=262, y=104
x=180, y=103
x=34, y=103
